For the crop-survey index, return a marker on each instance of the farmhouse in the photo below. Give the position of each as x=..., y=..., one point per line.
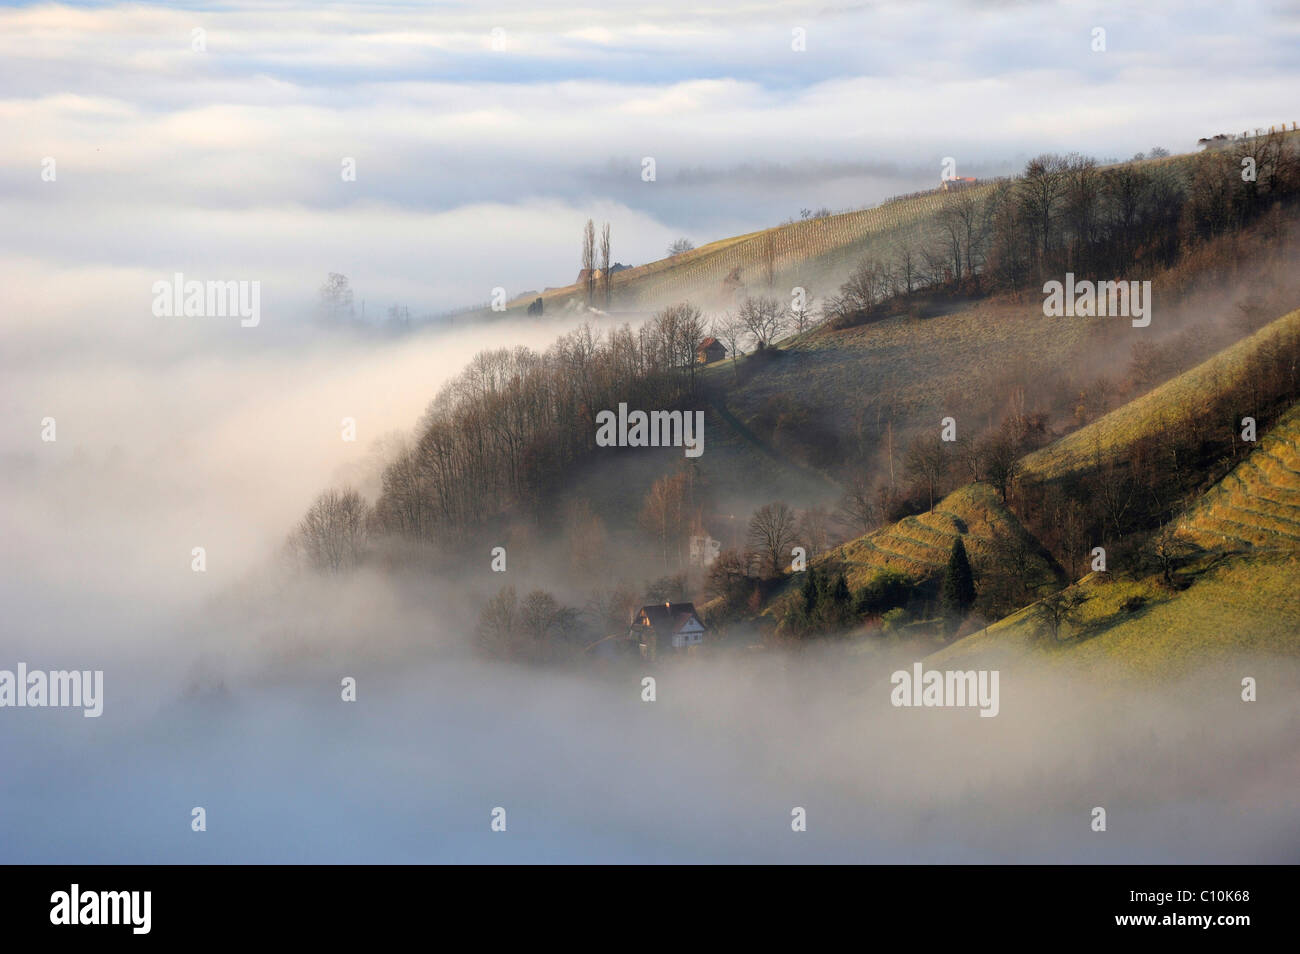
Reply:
x=666, y=628
x=710, y=350
x=597, y=273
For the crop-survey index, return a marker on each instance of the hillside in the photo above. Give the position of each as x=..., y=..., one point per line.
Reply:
x=815, y=250
x=902, y=368
x=816, y=253
x=1238, y=606
x=1178, y=403
x=1242, y=598
x=919, y=546
x=1257, y=505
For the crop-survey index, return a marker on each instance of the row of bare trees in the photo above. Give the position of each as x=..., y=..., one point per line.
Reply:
x=501, y=435
x=1067, y=213
x=589, y=266
x=760, y=320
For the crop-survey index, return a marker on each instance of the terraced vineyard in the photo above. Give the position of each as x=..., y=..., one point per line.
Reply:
x=1257, y=505
x=1173, y=404
x=810, y=250
x=1247, y=602
x=919, y=546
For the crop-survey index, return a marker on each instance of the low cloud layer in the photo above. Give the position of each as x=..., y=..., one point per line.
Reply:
x=476, y=166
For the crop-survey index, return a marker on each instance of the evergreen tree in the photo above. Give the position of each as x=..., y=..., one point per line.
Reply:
x=809, y=593
x=958, y=592
x=840, y=602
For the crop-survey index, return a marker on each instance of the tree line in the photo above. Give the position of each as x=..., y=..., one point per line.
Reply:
x=1068, y=213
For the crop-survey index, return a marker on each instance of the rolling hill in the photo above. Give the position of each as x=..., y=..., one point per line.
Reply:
x=919, y=545
x=1177, y=403
x=816, y=251
x=1240, y=595
x=1233, y=607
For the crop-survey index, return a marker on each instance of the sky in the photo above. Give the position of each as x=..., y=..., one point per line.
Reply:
x=484, y=135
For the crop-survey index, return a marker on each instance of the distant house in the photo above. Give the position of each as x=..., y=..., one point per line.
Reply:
x=596, y=273
x=956, y=183
x=710, y=349
x=666, y=628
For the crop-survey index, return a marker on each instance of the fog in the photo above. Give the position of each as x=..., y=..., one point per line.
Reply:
x=222, y=689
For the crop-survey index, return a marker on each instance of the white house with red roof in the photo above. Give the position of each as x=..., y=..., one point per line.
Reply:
x=666, y=627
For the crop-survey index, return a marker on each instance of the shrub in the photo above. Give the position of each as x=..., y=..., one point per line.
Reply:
x=894, y=620
x=887, y=589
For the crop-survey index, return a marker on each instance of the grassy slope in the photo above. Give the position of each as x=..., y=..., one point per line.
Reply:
x=919, y=546
x=1170, y=404
x=736, y=473
x=1242, y=604
x=815, y=253
x=1257, y=505
x=922, y=366
x=811, y=250
x=1244, y=597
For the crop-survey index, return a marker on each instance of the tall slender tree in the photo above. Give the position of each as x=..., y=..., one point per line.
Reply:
x=604, y=264
x=589, y=261
x=958, y=593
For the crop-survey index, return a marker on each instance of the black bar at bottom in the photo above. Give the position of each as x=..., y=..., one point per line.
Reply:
x=334, y=903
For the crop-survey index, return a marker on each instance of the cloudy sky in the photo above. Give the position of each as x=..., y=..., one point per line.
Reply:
x=484, y=134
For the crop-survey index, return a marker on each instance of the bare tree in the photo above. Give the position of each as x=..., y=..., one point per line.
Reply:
x=498, y=622
x=859, y=508
x=336, y=297
x=869, y=284
x=1169, y=551
x=999, y=461
x=1015, y=571
x=729, y=578
x=814, y=531
x=801, y=312
x=332, y=534
x=963, y=223
x=771, y=534
x=680, y=329
x=764, y=318
x=679, y=246
x=907, y=266
x=927, y=461
x=1040, y=192
x=604, y=264
x=665, y=513
x=1072, y=531
x=1115, y=491
x=1061, y=608
x=730, y=330
x=541, y=617
x=589, y=261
